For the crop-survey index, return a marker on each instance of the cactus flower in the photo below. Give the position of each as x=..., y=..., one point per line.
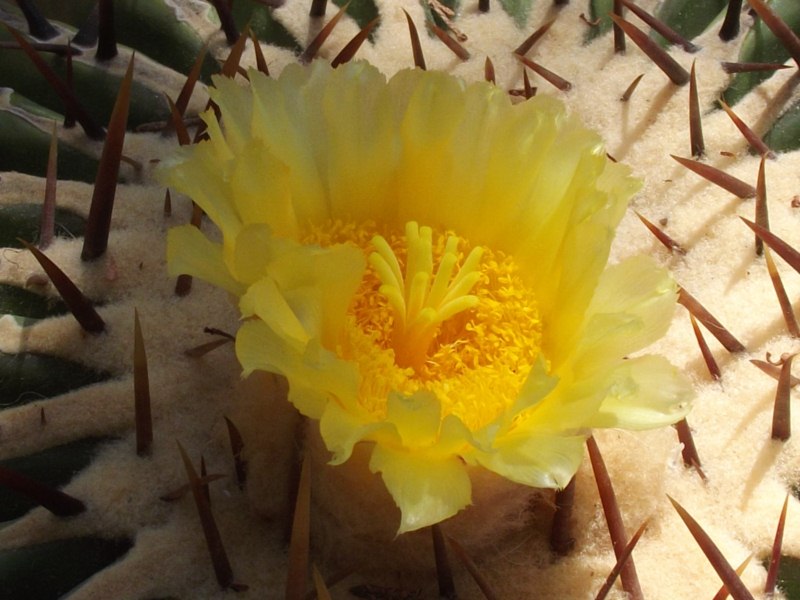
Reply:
x=425, y=262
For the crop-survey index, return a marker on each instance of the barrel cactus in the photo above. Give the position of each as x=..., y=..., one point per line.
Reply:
x=136, y=462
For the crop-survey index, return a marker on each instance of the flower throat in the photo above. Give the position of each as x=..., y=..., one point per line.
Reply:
x=432, y=313
x=422, y=300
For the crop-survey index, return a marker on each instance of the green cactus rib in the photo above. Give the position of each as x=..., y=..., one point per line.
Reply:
x=690, y=18
x=21, y=103
x=599, y=11
x=364, y=11
x=95, y=86
x=517, y=9
x=28, y=377
x=151, y=26
x=54, y=467
x=28, y=147
x=27, y=305
x=784, y=135
x=761, y=45
x=262, y=23
x=789, y=576
x=270, y=30
x=22, y=221
x=51, y=570
x=431, y=15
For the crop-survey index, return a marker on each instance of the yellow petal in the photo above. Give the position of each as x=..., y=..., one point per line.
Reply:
x=342, y=428
x=285, y=120
x=200, y=173
x=319, y=284
x=417, y=417
x=646, y=392
x=252, y=249
x=315, y=375
x=362, y=146
x=233, y=100
x=569, y=407
x=266, y=301
x=260, y=189
x=310, y=287
x=534, y=458
x=425, y=490
x=537, y=386
x=565, y=287
x=632, y=307
x=216, y=140
x=189, y=252
x=447, y=133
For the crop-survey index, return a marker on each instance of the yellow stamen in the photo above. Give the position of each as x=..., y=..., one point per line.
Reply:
x=422, y=300
x=488, y=333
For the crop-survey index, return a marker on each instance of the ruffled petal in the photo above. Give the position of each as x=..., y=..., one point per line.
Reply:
x=251, y=252
x=200, y=172
x=359, y=118
x=417, y=418
x=632, y=307
x=645, y=392
x=260, y=188
x=319, y=284
x=425, y=490
x=343, y=427
x=309, y=288
x=264, y=300
x=233, y=100
x=315, y=375
x=189, y=252
x=537, y=386
x=535, y=458
x=286, y=118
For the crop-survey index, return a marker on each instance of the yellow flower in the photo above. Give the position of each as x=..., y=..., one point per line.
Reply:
x=425, y=263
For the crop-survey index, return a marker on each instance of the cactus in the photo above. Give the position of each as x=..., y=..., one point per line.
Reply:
x=95, y=497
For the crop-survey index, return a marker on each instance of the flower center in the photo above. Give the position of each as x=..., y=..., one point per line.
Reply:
x=420, y=299
x=435, y=313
